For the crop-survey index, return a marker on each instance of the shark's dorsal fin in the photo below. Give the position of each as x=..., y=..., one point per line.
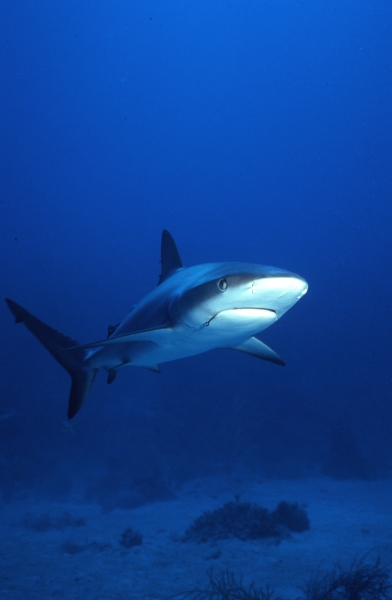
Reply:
x=170, y=257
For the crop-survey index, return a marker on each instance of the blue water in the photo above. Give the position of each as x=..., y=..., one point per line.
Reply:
x=255, y=131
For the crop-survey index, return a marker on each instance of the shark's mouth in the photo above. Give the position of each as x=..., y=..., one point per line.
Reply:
x=244, y=316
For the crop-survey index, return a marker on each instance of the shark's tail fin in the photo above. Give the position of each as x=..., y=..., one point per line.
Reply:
x=73, y=361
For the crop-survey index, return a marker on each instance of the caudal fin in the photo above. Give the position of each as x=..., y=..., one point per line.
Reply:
x=73, y=360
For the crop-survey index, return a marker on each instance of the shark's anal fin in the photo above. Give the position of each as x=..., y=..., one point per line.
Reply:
x=112, y=373
x=153, y=368
x=170, y=257
x=256, y=348
x=57, y=343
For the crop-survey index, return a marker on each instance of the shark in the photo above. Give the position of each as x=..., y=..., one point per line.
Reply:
x=192, y=310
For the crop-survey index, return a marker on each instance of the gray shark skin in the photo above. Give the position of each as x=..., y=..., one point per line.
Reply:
x=192, y=310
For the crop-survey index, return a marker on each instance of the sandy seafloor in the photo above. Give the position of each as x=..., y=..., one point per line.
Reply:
x=87, y=561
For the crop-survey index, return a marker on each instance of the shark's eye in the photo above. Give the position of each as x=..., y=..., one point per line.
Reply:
x=222, y=284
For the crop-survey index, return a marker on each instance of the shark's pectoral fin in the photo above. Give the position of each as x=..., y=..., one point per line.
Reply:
x=256, y=348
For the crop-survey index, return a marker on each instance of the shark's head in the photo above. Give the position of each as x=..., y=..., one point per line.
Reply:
x=247, y=296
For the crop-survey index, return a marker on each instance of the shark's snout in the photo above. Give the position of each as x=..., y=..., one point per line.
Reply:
x=278, y=292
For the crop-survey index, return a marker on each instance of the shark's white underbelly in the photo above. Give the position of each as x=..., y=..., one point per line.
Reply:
x=225, y=330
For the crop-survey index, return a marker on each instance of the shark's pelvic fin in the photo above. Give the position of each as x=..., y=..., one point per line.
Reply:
x=170, y=257
x=112, y=374
x=256, y=348
x=56, y=343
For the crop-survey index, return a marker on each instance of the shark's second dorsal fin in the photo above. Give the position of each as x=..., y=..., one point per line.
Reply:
x=170, y=258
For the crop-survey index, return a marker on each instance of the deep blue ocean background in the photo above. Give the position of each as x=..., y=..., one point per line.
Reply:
x=255, y=131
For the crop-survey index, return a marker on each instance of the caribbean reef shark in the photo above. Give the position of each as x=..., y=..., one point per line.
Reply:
x=192, y=310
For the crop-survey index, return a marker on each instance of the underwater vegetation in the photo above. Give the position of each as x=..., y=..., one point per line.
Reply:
x=247, y=521
x=225, y=586
x=361, y=581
